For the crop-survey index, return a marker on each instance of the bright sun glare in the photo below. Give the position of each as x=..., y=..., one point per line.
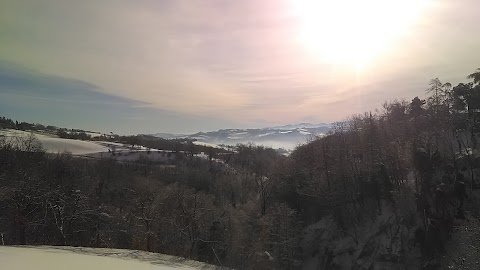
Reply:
x=354, y=32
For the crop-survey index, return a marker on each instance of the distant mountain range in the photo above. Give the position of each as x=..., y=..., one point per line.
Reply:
x=286, y=137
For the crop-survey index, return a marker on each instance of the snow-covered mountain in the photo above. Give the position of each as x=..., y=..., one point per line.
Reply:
x=286, y=137
x=303, y=125
x=169, y=135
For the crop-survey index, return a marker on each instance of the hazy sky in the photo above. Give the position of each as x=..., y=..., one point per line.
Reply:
x=190, y=65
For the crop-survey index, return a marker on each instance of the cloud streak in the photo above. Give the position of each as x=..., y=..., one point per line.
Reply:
x=34, y=96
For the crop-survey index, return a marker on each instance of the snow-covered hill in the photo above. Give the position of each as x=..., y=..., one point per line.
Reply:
x=53, y=144
x=286, y=137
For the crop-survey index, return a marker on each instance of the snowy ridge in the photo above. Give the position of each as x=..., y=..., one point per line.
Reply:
x=287, y=137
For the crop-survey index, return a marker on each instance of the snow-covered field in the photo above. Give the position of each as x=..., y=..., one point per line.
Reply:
x=53, y=144
x=71, y=258
x=59, y=145
x=76, y=147
x=206, y=144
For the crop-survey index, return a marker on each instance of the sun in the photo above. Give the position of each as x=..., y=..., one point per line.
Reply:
x=354, y=32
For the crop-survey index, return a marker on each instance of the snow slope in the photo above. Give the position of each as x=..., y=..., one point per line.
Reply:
x=59, y=145
x=76, y=147
x=61, y=258
x=54, y=144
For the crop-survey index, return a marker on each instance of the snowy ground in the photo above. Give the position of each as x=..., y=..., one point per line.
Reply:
x=206, y=144
x=76, y=147
x=72, y=258
x=54, y=144
x=58, y=145
x=96, y=149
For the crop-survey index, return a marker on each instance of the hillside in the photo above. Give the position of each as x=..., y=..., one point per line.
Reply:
x=54, y=144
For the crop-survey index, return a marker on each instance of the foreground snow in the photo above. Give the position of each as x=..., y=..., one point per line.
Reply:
x=71, y=258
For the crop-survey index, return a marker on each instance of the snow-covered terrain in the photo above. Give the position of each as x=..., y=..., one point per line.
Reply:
x=58, y=145
x=303, y=125
x=53, y=144
x=76, y=147
x=287, y=137
x=206, y=144
x=61, y=258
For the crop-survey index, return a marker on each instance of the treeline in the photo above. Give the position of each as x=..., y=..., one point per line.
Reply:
x=381, y=190
x=7, y=123
x=176, y=145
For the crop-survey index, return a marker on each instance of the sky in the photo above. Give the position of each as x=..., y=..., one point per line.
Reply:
x=182, y=66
